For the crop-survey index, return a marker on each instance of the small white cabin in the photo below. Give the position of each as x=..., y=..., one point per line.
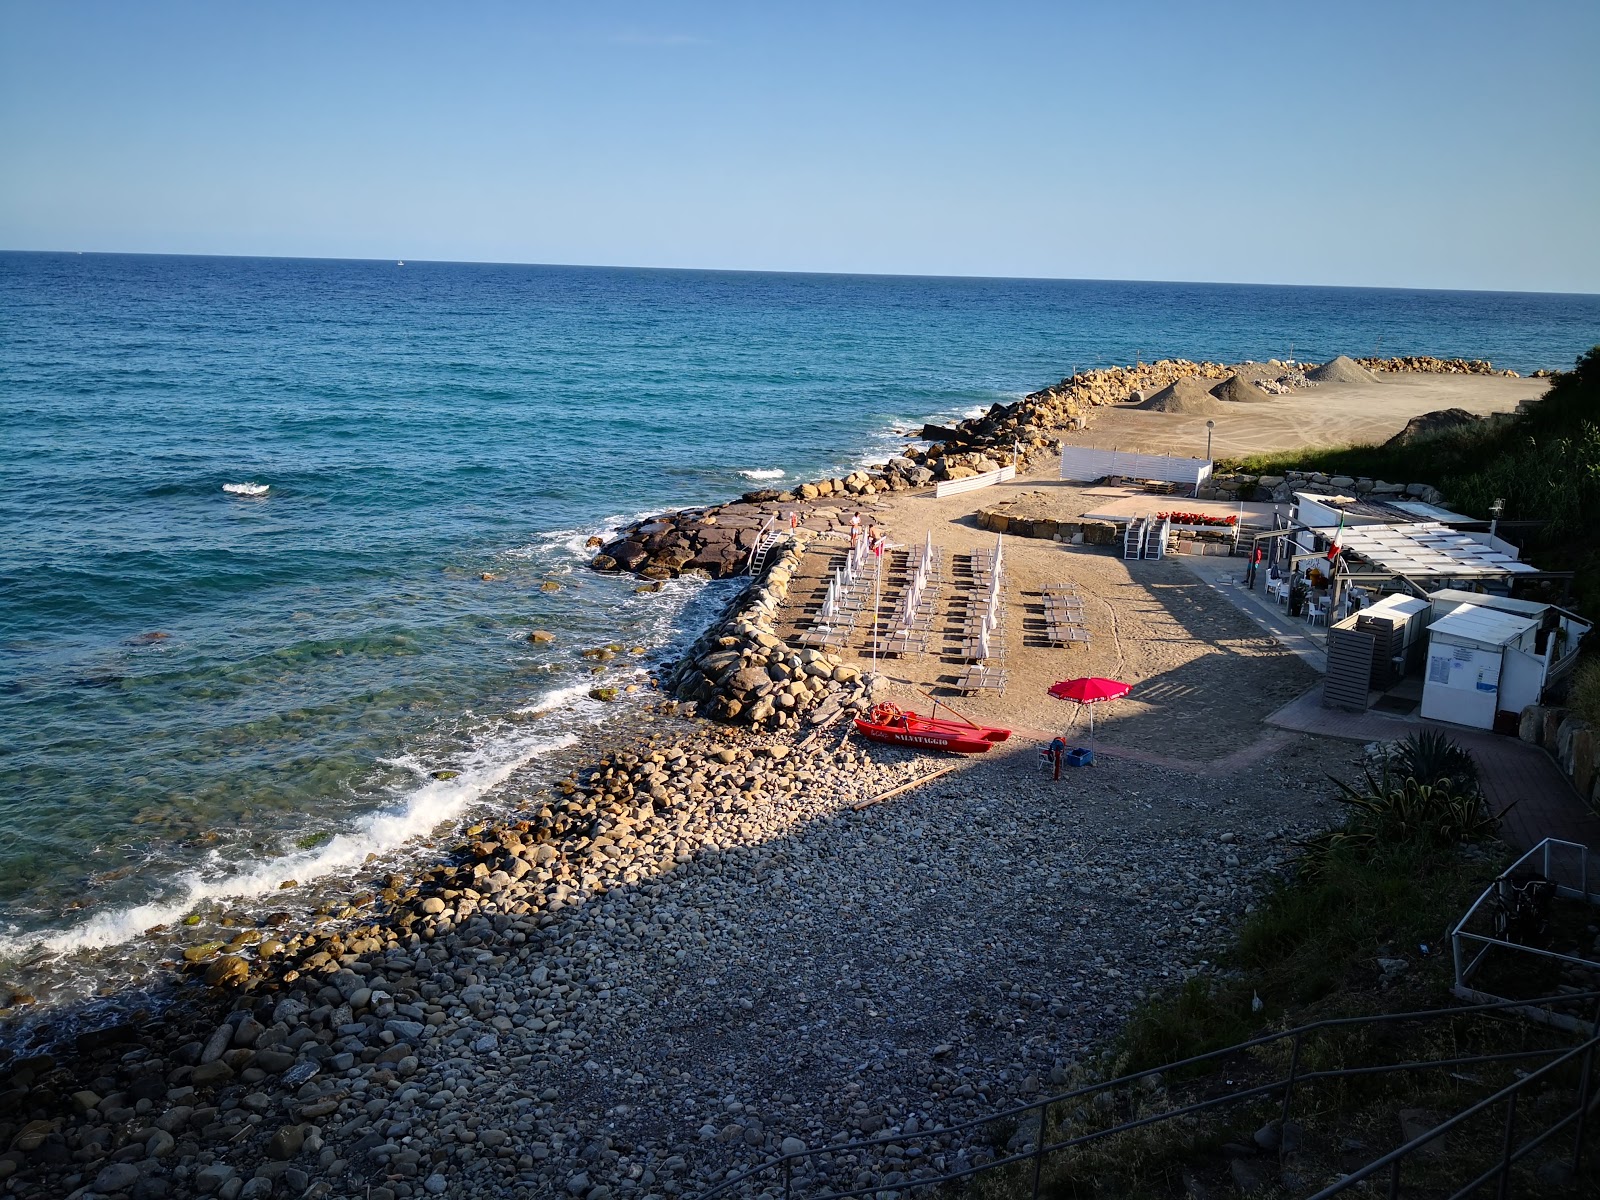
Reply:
x=1481, y=661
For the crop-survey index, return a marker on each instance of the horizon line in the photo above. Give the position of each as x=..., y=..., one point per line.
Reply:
x=488, y=262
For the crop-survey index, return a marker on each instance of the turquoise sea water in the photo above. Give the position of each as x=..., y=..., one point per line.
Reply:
x=330, y=645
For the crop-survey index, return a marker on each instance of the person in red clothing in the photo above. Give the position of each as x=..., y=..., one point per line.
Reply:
x=1250, y=571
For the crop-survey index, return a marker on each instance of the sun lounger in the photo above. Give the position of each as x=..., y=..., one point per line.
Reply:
x=830, y=636
x=901, y=641
x=982, y=679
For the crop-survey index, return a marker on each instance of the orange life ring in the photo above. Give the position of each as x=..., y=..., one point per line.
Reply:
x=885, y=714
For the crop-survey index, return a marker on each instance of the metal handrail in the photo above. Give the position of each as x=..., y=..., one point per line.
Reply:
x=1041, y=1108
x=755, y=547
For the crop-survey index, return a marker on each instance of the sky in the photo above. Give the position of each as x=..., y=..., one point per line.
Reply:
x=1451, y=145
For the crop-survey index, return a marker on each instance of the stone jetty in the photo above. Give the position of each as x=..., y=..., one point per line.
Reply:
x=740, y=671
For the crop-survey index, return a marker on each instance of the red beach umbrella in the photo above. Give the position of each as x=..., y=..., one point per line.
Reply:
x=1090, y=690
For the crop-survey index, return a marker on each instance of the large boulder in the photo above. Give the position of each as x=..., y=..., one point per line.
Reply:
x=748, y=682
x=1432, y=424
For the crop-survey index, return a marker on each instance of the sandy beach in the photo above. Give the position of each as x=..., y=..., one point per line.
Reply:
x=697, y=952
x=1330, y=414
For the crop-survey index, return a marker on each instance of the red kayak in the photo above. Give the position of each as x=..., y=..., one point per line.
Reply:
x=886, y=723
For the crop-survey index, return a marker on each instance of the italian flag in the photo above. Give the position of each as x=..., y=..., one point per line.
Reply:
x=1334, y=548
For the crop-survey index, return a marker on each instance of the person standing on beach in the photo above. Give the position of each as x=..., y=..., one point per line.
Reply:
x=855, y=528
x=1058, y=747
x=794, y=520
x=1250, y=571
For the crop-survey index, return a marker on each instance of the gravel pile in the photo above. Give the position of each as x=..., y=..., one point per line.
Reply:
x=1343, y=369
x=1238, y=389
x=1191, y=394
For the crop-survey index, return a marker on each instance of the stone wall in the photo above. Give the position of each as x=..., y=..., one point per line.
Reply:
x=1428, y=365
x=1280, y=489
x=1093, y=533
x=741, y=672
x=1571, y=741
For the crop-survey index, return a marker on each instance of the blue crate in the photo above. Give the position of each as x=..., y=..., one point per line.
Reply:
x=1081, y=757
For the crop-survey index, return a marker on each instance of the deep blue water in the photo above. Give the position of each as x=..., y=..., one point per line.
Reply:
x=330, y=645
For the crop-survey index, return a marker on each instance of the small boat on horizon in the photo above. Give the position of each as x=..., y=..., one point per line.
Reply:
x=886, y=723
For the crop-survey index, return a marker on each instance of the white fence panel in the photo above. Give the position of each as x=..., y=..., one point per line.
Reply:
x=1086, y=463
x=954, y=487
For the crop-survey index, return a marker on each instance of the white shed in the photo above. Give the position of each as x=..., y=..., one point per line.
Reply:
x=1480, y=661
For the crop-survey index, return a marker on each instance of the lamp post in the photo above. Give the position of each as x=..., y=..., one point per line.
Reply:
x=1495, y=509
x=1210, y=425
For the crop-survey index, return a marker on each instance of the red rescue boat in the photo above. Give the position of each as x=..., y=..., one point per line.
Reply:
x=886, y=723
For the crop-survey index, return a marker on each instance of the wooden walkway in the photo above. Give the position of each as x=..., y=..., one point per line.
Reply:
x=1517, y=777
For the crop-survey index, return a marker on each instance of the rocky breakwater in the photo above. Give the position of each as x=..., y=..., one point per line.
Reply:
x=740, y=671
x=709, y=543
x=1427, y=364
x=1280, y=489
x=1062, y=403
x=717, y=542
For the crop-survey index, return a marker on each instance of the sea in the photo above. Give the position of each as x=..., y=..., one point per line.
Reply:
x=206, y=692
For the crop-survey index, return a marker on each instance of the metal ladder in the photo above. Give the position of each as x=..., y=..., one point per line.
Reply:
x=759, y=553
x=1155, y=539
x=1133, y=538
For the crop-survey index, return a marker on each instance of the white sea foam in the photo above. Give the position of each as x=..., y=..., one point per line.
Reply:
x=573, y=694
x=765, y=473
x=422, y=809
x=247, y=489
x=573, y=541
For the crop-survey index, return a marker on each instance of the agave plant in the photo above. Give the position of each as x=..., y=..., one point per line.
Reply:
x=1389, y=812
x=1431, y=758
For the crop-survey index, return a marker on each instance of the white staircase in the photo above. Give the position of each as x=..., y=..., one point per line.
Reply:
x=762, y=550
x=1133, y=538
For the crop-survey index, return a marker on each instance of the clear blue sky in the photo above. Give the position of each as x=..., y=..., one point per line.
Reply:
x=1431, y=145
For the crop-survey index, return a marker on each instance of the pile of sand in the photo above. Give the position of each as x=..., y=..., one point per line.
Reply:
x=1241, y=388
x=1343, y=369
x=1190, y=394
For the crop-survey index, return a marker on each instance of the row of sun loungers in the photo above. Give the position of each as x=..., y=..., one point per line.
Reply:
x=983, y=633
x=1064, y=616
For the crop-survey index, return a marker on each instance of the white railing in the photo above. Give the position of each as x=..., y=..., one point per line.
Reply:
x=954, y=487
x=1086, y=464
x=1491, y=923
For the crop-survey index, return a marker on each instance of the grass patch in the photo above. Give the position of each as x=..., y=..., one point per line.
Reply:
x=1583, y=695
x=1315, y=940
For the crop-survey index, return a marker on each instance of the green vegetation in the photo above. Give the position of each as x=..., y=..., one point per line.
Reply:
x=1545, y=465
x=311, y=841
x=1361, y=928
x=1311, y=947
x=1584, y=694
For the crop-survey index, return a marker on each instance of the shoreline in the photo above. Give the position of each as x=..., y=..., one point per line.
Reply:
x=352, y=991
